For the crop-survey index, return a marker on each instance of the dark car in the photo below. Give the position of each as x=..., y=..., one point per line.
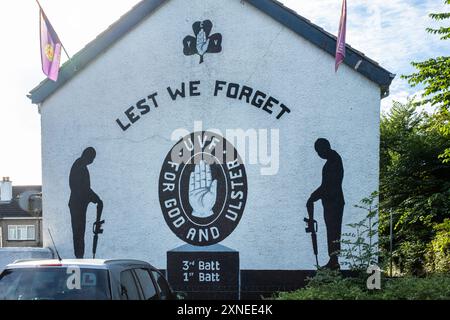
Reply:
x=83, y=280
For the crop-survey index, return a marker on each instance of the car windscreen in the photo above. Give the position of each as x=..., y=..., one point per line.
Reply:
x=55, y=283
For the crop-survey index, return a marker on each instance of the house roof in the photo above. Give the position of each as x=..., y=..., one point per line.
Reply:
x=287, y=17
x=12, y=209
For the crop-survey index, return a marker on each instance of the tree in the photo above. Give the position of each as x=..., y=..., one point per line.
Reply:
x=434, y=75
x=414, y=185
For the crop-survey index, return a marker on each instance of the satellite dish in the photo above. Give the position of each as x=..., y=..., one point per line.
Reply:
x=31, y=202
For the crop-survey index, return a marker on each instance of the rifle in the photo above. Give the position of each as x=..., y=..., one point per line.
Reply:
x=97, y=228
x=312, y=228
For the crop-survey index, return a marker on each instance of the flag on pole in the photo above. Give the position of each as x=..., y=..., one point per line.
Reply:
x=340, y=47
x=50, y=48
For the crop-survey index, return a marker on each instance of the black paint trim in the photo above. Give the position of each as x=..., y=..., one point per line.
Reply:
x=259, y=284
x=275, y=9
x=256, y=284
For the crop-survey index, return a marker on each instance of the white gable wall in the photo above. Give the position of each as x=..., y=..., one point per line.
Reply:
x=257, y=51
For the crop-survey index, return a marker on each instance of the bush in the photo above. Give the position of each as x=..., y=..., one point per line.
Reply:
x=330, y=285
x=410, y=257
x=438, y=251
x=327, y=285
x=436, y=287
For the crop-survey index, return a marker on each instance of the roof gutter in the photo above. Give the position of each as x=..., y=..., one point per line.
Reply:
x=287, y=17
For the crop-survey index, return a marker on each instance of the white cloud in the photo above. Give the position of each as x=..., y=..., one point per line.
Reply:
x=392, y=32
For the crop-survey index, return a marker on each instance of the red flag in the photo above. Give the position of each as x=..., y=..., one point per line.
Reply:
x=340, y=47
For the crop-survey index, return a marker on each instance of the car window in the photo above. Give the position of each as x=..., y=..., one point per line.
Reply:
x=162, y=285
x=148, y=288
x=129, y=289
x=9, y=285
x=54, y=283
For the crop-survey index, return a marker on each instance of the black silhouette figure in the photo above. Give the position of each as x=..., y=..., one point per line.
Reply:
x=332, y=196
x=80, y=197
x=202, y=43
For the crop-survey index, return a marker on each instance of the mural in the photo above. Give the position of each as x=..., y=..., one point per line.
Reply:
x=203, y=189
x=211, y=68
x=81, y=195
x=202, y=42
x=332, y=196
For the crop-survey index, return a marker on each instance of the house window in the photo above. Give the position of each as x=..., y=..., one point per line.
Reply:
x=21, y=233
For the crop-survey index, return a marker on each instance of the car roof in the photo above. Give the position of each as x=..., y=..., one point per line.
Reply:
x=91, y=263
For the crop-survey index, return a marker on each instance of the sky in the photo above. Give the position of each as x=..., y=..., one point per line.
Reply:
x=390, y=32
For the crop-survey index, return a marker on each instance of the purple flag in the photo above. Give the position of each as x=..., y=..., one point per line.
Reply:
x=340, y=47
x=50, y=48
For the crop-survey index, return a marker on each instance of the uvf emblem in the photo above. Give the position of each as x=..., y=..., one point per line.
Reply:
x=203, y=42
x=203, y=189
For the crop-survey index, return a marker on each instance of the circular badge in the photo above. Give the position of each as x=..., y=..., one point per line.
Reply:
x=49, y=52
x=203, y=188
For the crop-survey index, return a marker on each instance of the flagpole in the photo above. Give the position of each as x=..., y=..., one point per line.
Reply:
x=65, y=51
x=62, y=45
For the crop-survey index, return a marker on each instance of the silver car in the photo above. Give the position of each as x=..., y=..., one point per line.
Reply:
x=83, y=280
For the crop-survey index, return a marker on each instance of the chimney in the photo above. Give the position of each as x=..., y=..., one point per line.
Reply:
x=6, y=190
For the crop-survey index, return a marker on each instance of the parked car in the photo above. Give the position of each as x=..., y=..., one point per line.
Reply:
x=83, y=280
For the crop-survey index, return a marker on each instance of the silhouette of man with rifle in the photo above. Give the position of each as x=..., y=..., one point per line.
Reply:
x=80, y=197
x=332, y=196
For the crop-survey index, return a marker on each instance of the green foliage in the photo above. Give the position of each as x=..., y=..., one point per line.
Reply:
x=359, y=248
x=438, y=251
x=442, y=124
x=414, y=184
x=436, y=287
x=410, y=257
x=434, y=75
x=329, y=285
x=443, y=31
